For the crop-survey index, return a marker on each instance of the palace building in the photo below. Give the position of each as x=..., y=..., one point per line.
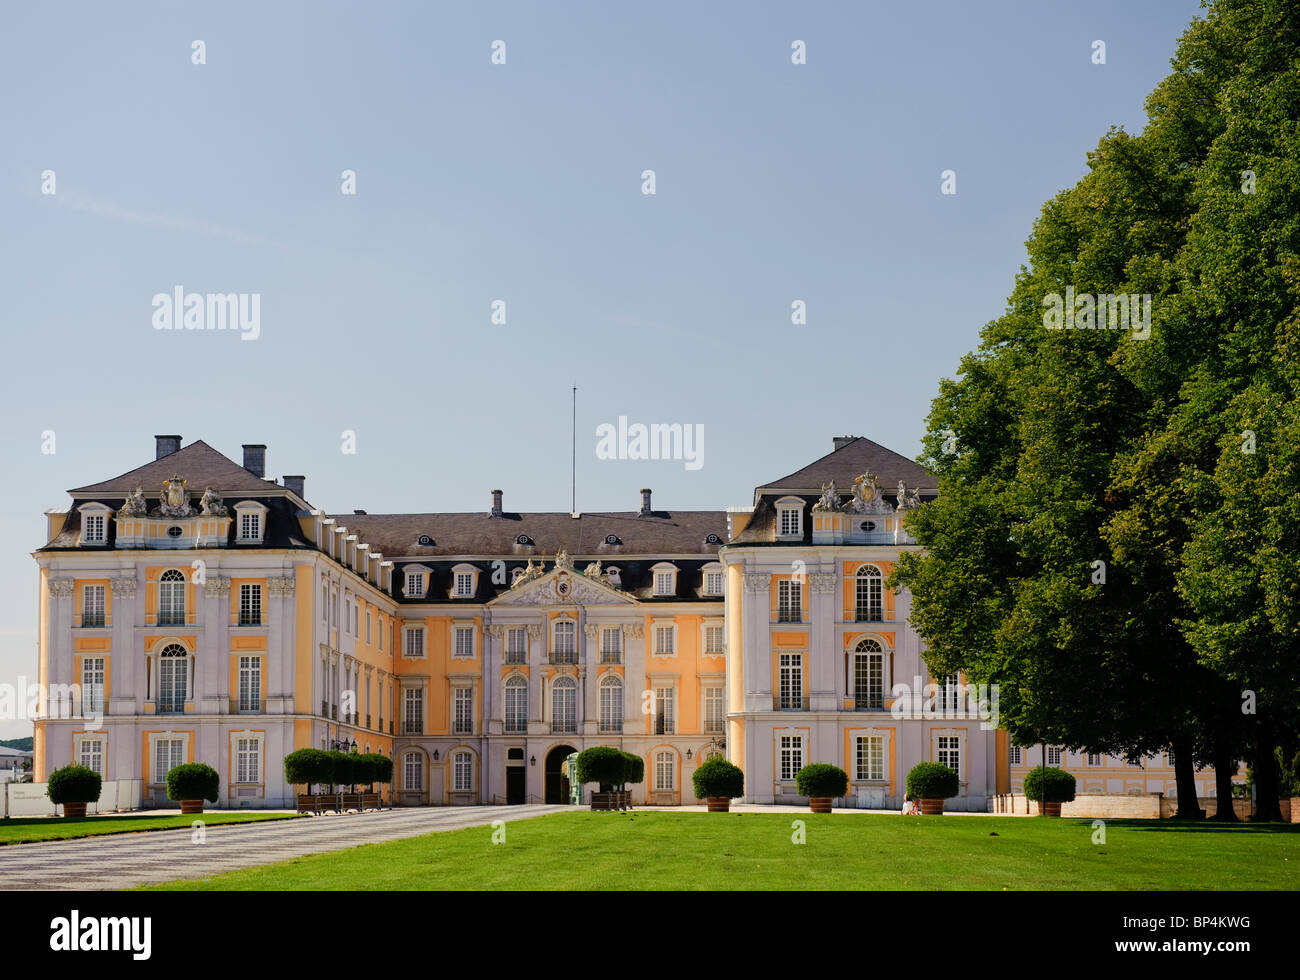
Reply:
x=193, y=610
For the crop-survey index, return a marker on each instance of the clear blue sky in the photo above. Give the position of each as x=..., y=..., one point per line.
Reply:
x=519, y=182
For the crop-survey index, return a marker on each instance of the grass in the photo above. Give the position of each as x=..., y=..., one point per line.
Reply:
x=689, y=851
x=24, y=830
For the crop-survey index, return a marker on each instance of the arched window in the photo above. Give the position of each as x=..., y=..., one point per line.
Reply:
x=868, y=597
x=171, y=598
x=565, y=648
x=413, y=771
x=516, y=705
x=173, y=678
x=611, y=704
x=868, y=676
x=564, y=705
x=664, y=771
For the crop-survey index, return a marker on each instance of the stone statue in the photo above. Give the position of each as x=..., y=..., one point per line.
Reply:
x=563, y=561
x=593, y=570
x=830, y=500
x=135, y=505
x=531, y=571
x=211, y=504
x=175, y=500
x=908, y=499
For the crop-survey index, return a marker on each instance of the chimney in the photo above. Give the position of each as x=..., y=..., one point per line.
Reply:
x=255, y=459
x=167, y=445
x=645, y=503
x=842, y=441
x=496, y=503
x=295, y=483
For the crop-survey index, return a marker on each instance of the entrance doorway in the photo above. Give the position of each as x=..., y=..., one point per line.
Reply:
x=516, y=777
x=557, y=784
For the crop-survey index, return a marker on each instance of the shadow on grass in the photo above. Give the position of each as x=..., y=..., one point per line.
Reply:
x=1169, y=825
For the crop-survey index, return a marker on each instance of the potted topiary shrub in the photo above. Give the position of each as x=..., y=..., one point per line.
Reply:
x=1049, y=788
x=821, y=782
x=633, y=773
x=930, y=783
x=73, y=787
x=192, y=783
x=310, y=767
x=383, y=773
x=606, y=766
x=718, y=782
x=345, y=774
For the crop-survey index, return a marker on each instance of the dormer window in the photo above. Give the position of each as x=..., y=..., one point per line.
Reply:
x=612, y=539
x=94, y=524
x=464, y=582
x=789, y=517
x=413, y=587
x=713, y=579
x=250, y=522
x=615, y=576
x=665, y=579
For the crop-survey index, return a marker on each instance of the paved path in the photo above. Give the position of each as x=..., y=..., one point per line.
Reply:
x=125, y=860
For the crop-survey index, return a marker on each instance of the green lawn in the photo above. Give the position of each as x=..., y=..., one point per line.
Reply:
x=662, y=850
x=22, y=830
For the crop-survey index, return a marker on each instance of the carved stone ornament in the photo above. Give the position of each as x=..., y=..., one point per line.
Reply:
x=866, y=496
x=823, y=581
x=593, y=570
x=211, y=504
x=531, y=571
x=562, y=561
x=536, y=632
x=908, y=499
x=135, y=505
x=495, y=632
x=175, y=500
x=216, y=585
x=61, y=588
x=635, y=630
x=590, y=630
x=756, y=581
x=830, y=499
x=280, y=586
x=123, y=588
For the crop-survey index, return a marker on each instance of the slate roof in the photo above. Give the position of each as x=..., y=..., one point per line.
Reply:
x=845, y=464
x=199, y=464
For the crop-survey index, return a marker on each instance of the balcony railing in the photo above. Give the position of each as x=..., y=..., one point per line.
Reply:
x=868, y=702
x=92, y=619
x=516, y=657
x=788, y=703
x=869, y=613
x=564, y=656
x=516, y=727
x=611, y=728
x=611, y=657
x=413, y=728
x=789, y=614
x=564, y=727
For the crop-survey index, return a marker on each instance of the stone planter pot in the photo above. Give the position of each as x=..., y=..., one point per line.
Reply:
x=191, y=806
x=74, y=809
x=350, y=801
x=719, y=804
x=1050, y=809
x=606, y=801
x=931, y=808
x=820, y=804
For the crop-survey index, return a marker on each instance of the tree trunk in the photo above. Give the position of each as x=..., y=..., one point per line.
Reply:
x=1265, y=768
x=1189, y=807
x=1224, y=767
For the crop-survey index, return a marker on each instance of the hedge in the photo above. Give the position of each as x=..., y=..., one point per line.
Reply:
x=932, y=781
x=1058, y=783
x=821, y=779
x=718, y=777
x=193, y=781
x=74, y=784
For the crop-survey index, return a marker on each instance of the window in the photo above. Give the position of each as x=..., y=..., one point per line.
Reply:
x=949, y=694
x=367, y=625
x=791, y=681
x=664, y=583
x=713, y=642
x=870, y=757
x=462, y=772
x=413, y=642
x=664, y=645
x=791, y=759
x=1015, y=755
x=1169, y=759
x=92, y=685
x=464, y=641
x=949, y=752
x=250, y=605
x=565, y=648
x=869, y=676
x=665, y=771
x=788, y=604
x=464, y=724
x=713, y=583
x=516, y=646
x=1053, y=755
x=414, y=584
x=381, y=634
x=868, y=595
x=611, y=646
x=413, y=771
x=324, y=603
x=1094, y=758
x=90, y=753
x=248, y=764
x=93, y=528
x=790, y=520
x=516, y=705
x=713, y=710
x=173, y=679
x=171, y=598
x=413, y=713
x=250, y=526
x=250, y=683
x=92, y=605
x=664, y=723
x=611, y=704
x=168, y=753
x=614, y=578
x=464, y=585
x=564, y=705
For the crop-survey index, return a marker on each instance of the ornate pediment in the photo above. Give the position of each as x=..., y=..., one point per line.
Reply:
x=561, y=586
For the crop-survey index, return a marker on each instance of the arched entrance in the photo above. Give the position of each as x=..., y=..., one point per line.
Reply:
x=557, y=784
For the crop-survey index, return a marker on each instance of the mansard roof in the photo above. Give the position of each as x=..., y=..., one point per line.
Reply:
x=198, y=464
x=845, y=464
